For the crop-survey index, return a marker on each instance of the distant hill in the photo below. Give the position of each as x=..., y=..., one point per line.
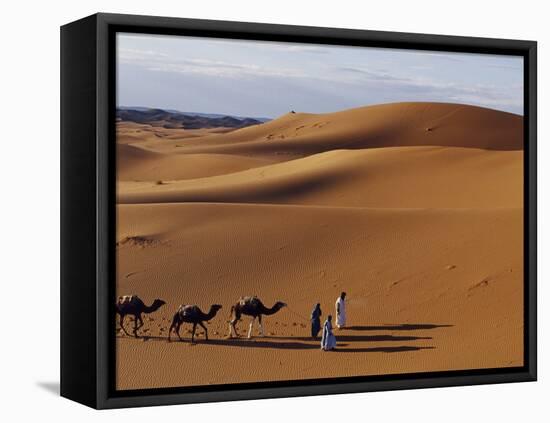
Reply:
x=187, y=120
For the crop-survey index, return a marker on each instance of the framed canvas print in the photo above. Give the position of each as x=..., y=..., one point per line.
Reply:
x=256, y=211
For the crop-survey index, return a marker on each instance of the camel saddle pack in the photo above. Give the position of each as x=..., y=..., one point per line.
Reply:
x=126, y=299
x=252, y=301
x=187, y=310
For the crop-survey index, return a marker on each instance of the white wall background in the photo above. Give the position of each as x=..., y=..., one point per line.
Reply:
x=29, y=176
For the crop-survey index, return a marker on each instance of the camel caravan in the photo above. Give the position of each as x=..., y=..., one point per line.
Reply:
x=192, y=314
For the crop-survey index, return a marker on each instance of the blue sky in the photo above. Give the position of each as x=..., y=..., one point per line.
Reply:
x=267, y=79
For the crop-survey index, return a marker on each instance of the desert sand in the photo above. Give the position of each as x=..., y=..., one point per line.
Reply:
x=414, y=209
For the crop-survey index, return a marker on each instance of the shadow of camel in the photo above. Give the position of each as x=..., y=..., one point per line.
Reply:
x=263, y=343
x=404, y=326
x=233, y=342
x=293, y=343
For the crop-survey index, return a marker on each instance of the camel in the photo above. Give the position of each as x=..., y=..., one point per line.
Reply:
x=192, y=314
x=251, y=306
x=132, y=304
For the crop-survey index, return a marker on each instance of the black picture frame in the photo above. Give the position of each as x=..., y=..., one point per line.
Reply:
x=88, y=209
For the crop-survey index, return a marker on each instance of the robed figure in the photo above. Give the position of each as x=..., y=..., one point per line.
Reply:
x=341, y=311
x=316, y=320
x=328, y=341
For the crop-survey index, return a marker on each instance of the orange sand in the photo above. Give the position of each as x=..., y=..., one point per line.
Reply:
x=414, y=209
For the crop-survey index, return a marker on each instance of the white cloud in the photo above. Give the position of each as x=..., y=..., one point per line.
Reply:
x=399, y=82
x=159, y=62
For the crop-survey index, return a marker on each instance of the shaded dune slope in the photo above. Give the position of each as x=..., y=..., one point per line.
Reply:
x=387, y=177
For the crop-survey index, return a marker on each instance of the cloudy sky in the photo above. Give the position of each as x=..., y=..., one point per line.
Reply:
x=267, y=79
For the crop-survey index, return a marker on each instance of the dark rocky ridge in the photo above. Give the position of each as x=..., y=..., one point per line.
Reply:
x=173, y=119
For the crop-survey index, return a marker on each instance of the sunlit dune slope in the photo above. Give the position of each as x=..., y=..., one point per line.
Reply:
x=387, y=125
x=136, y=164
x=461, y=269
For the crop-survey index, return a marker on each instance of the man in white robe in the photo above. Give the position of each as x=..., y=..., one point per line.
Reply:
x=341, y=311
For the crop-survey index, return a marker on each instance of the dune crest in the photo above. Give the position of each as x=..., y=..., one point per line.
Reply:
x=386, y=125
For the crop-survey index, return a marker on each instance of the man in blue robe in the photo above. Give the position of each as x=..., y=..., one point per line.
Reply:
x=328, y=341
x=316, y=320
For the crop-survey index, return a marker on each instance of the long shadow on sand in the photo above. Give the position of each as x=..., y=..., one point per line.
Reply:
x=306, y=343
x=356, y=338
x=402, y=348
x=404, y=326
x=262, y=343
x=296, y=343
x=234, y=342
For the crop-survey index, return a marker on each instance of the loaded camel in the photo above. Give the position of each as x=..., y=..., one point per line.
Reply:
x=192, y=314
x=132, y=304
x=251, y=306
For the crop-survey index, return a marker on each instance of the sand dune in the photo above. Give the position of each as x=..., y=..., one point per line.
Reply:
x=136, y=164
x=415, y=209
x=400, y=267
x=388, y=125
x=148, y=135
x=406, y=177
